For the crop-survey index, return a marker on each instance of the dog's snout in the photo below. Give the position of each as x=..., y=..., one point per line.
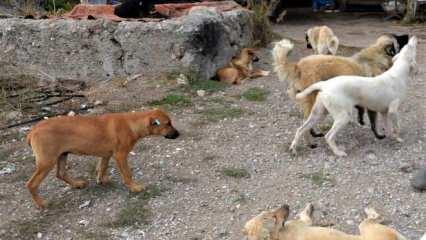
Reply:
x=172, y=134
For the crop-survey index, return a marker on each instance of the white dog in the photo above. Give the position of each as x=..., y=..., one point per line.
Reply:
x=339, y=95
x=322, y=40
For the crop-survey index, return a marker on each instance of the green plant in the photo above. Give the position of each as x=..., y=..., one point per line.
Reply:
x=172, y=100
x=235, y=172
x=319, y=178
x=262, y=28
x=219, y=113
x=55, y=5
x=255, y=94
x=135, y=211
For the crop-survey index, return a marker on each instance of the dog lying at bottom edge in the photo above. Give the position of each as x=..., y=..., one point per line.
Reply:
x=104, y=136
x=240, y=68
x=383, y=94
x=301, y=228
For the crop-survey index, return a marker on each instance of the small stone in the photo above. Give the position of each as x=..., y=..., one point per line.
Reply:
x=182, y=80
x=83, y=222
x=98, y=103
x=419, y=180
x=371, y=156
x=13, y=115
x=10, y=168
x=71, y=113
x=84, y=106
x=201, y=93
x=39, y=235
x=85, y=204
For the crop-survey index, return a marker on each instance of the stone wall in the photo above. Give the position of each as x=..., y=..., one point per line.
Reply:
x=94, y=50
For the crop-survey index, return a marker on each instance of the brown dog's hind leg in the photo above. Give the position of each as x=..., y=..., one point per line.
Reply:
x=121, y=159
x=62, y=174
x=101, y=171
x=43, y=167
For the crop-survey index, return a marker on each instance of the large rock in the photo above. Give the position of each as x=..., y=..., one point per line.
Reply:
x=419, y=180
x=202, y=41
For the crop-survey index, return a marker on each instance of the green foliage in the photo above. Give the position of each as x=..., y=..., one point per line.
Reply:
x=236, y=172
x=255, y=94
x=55, y=5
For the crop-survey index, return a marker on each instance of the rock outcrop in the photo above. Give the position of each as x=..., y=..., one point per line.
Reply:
x=94, y=50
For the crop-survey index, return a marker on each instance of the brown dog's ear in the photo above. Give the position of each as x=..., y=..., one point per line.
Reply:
x=390, y=50
x=280, y=215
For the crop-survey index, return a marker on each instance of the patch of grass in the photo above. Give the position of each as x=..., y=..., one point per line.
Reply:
x=95, y=235
x=219, y=113
x=319, y=178
x=55, y=5
x=152, y=191
x=255, y=94
x=324, y=127
x=262, y=27
x=235, y=172
x=172, y=99
x=135, y=211
x=180, y=179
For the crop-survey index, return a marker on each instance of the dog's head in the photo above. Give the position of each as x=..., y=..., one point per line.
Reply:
x=389, y=44
x=249, y=53
x=160, y=125
x=254, y=228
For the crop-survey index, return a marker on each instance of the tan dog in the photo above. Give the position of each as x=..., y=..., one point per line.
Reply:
x=302, y=229
x=370, y=61
x=322, y=40
x=102, y=136
x=240, y=68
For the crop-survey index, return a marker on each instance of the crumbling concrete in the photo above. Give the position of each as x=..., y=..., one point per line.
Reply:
x=94, y=50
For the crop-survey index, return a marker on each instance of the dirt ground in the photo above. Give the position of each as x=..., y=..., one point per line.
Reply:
x=232, y=161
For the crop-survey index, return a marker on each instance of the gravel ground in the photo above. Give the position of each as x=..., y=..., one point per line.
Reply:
x=221, y=172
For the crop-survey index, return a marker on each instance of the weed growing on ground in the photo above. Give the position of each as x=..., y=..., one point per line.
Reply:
x=255, y=94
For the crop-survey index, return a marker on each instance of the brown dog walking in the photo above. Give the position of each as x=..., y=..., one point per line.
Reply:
x=105, y=136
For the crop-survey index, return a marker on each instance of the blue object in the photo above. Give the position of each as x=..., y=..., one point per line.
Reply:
x=322, y=4
x=98, y=1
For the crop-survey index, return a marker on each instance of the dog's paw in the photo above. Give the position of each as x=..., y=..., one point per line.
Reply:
x=103, y=181
x=293, y=149
x=136, y=188
x=41, y=204
x=79, y=184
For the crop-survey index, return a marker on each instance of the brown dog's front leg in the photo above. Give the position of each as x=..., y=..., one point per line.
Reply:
x=123, y=167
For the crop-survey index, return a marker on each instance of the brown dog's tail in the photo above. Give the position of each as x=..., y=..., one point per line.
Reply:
x=280, y=54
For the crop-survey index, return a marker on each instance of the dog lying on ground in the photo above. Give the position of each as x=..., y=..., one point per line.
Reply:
x=240, y=68
x=105, y=136
x=370, y=61
x=383, y=94
x=322, y=40
x=301, y=228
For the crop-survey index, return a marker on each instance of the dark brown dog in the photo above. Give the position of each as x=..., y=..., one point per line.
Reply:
x=103, y=136
x=240, y=68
